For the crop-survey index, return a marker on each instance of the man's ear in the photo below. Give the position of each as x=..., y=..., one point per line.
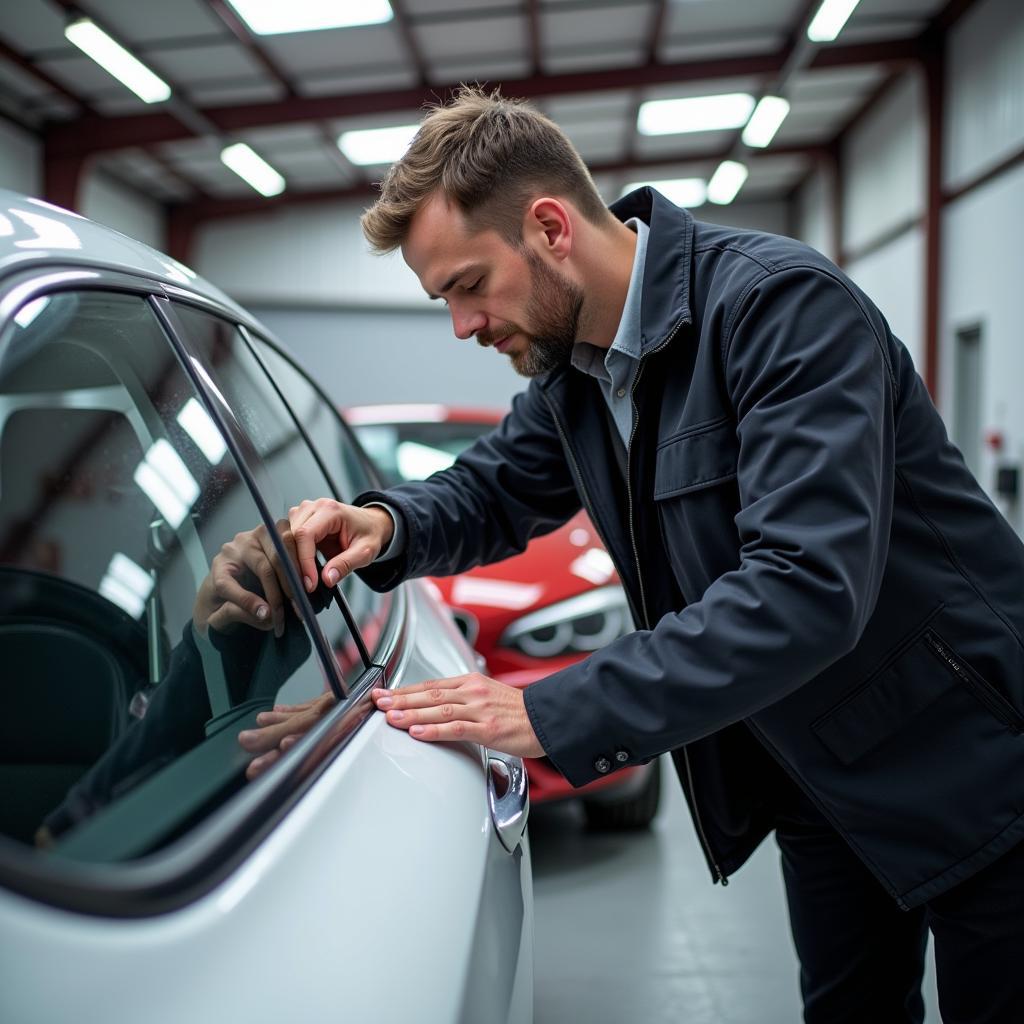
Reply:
x=547, y=227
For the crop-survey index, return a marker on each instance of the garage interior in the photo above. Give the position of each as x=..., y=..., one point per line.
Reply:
x=900, y=156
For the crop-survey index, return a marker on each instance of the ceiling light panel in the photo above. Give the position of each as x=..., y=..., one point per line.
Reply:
x=272, y=17
x=117, y=61
x=765, y=121
x=829, y=20
x=253, y=169
x=694, y=114
x=373, y=146
x=726, y=182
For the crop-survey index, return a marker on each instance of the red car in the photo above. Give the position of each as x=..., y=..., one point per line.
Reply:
x=530, y=614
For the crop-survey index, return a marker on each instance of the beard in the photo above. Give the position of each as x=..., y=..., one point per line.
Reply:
x=553, y=311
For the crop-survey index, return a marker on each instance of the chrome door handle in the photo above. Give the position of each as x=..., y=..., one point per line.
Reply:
x=508, y=796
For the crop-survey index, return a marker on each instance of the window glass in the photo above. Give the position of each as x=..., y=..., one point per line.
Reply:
x=286, y=467
x=126, y=677
x=341, y=461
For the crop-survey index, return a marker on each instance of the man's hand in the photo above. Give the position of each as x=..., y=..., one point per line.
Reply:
x=349, y=537
x=471, y=707
x=280, y=729
x=246, y=585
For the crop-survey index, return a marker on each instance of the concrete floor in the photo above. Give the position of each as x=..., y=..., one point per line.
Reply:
x=629, y=928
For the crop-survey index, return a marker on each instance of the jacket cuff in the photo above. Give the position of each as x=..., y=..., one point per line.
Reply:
x=385, y=574
x=578, y=762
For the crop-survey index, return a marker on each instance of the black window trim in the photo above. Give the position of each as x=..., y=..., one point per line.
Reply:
x=189, y=868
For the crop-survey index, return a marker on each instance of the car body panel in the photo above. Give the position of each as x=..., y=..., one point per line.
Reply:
x=390, y=855
x=567, y=562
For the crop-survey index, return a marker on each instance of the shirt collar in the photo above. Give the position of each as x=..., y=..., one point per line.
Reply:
x=590, y=358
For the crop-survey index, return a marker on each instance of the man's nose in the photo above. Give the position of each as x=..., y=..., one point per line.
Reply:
x=467, y=322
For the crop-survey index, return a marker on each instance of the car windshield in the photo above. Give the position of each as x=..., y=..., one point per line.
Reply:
x=412, y=451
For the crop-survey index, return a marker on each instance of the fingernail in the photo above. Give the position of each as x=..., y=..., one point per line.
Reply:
x=384, y=703
x=396, y=716
x=262, y=612
x=308, y=582
x=417, y=730
x=332, y=577
x=245, y=737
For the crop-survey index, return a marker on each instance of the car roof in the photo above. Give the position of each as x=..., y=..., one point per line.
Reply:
x=34, y=232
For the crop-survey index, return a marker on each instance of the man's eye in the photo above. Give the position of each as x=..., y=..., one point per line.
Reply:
x=475, y=285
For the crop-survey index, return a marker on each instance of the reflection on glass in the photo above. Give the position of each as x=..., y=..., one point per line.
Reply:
x=132, y=566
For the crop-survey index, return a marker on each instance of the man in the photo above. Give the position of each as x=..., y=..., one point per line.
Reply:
x=829, y=610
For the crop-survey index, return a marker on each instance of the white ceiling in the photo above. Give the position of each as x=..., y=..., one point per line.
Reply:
x=188, y=43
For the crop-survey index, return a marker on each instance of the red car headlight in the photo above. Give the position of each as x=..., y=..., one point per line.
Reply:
x=578, y=625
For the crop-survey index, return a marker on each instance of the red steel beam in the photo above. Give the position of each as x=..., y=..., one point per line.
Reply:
x=90, y=135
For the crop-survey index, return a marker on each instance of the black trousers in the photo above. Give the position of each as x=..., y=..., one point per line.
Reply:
x=862, y=958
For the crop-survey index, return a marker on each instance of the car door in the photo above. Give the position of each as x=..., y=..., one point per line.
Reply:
x=167, y=883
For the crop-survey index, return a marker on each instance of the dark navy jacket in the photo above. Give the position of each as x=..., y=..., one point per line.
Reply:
x=813, y=570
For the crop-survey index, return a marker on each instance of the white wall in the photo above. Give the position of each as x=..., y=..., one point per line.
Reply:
x=363, y=356
x=813, y=221
x=984, y=89
x=313, y=255
x=884, y=166
x=761, y=216
x=893, y=277
x=20, y=160
x=981, y=271
x=107, y=201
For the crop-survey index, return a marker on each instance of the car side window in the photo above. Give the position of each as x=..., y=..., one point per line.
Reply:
x=127, y=673
x=287, y=466
x=342, y=462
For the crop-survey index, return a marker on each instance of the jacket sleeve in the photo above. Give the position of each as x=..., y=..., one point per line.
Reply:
x=509, y=486
x=807, y=375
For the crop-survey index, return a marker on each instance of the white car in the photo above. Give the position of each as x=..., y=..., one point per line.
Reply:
x=151, y=435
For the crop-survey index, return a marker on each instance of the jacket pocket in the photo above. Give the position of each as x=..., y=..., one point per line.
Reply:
x=989, y=696
x=907, y=682
x=691, y=461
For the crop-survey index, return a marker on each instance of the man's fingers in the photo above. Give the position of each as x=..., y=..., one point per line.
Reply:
x=356, y=556
x=258, y=765
x=305, y=529
x=426, y=698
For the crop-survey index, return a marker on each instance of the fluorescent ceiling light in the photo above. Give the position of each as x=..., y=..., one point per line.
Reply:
x=726, y=182
x=829, y=21
x=694, y=114
x=765, y=121
x=272, y=17
x=115, y=59
x=196, y=421
x=252, y=169
x=682, y=191
x=376, y=145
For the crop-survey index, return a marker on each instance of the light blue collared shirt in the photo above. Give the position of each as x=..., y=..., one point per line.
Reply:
x=615, y=368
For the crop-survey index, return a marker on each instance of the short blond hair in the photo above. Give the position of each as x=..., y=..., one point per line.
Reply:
x=490, y=156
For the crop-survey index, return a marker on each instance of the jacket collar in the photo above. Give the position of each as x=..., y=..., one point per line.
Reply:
x=665, y=298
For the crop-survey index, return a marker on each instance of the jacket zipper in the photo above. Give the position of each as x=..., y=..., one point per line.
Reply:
x=983, y=690
x=701, y=834
x=584, y=496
